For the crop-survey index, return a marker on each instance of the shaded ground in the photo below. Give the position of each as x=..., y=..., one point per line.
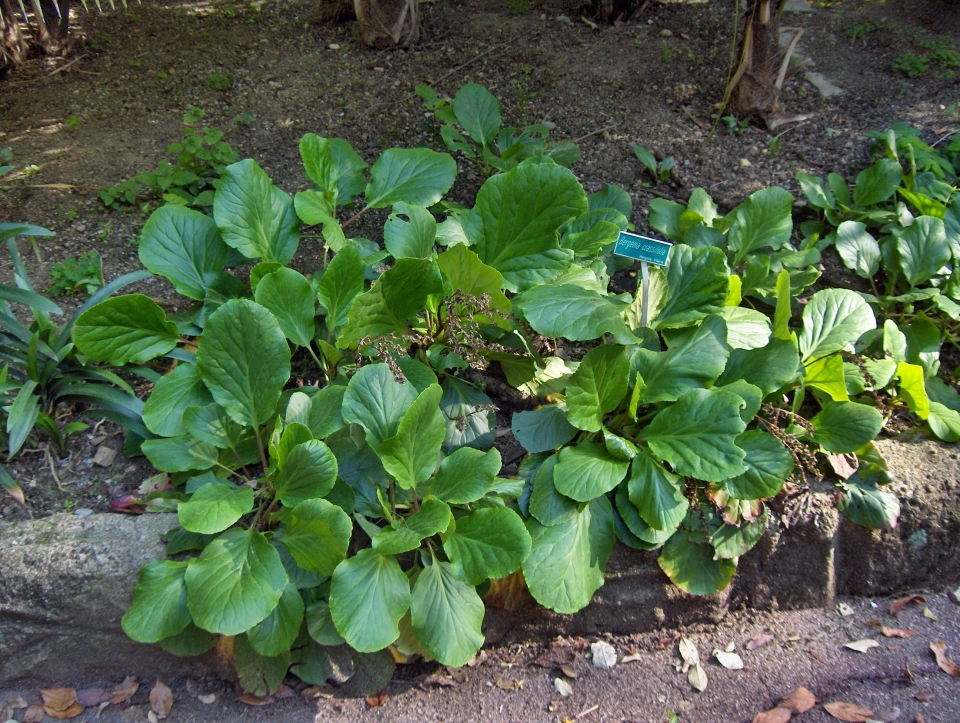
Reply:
x=508, y=685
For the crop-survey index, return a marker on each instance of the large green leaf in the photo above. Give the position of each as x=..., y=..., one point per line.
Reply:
x=478, y=111
x=245, y=360
x=129, y=329
x=566, y=561
x=214, y=507
x=657, y=494
x=877, y=183
x=308, y=472
x=446, y=615
x=845, y=427
x=288, y=295
x=923, y=249
x=768, y=368
x=466, y=272
x=410, y=239
x=368, y=595
x=597, y=387
x=434, y=516
x=377, y=402
x=695, y=359
x=342, y=282
x=698, y=281
x=185, y=246
x=548, y=506
x=833, y=320
x=258, y=674
x=587, y=471
x=333, y=165
x=612, y=197
x=866, y=505
x=317, y=535
x=159, y=607
x=417, y=176
x=254, y=216
x=171, y=396
x=768, y=463
x=542, y=429
x=764, y=219
x=697, y=435
x=490, y=543
x=731, y=541
x=690, y=565
x=470, y=418
x=514, y=225
x=827, y=375
x=411, y=455
x=466, y=475
x=858, y=249
x=179, y=454
x=399, y=293
x=641, y=536
x=573, y=312
x=212, y=424
x=235, y=583
x=320, y=624
x=746, y=328
x=274, y=635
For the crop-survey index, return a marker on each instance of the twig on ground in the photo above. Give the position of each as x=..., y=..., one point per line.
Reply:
x=596, y=132
x=474, y=59
x=943, y=138
x=64, y=67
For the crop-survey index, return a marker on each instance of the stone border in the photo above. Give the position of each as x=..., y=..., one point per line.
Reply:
x=66, y=580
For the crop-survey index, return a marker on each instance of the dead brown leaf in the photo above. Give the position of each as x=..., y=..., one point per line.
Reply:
x=507, y=593
x=799, y=701
x=667, y=643
x=251, y=699
x=17, y=703
x=439, y=680
x=559, y=653
x=459, y=675
x=35, y=713
x=774, y=715
x=887, y=715
x=377, y=699
x=897, y=605
x=897, y=632
x=317, y=691
x=759, y=641
x=845, y=465
x=124, y=692
x=569, y=671
x=939, y=649
x=284, y=691
x=90, y=697
x=61, y=703
x=161, y=699
x=849, y=712
x=925, y=696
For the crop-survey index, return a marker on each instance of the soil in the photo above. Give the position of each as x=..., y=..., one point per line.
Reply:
x=516, y=683
x=654, y=81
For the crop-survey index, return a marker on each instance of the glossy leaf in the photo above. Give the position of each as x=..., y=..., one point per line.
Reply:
x=368, y=595
x=597, y=386
x=288, y=295
x=159, y=607
x=490, y=543
x=214, y=507
x=417, y=176
x=129, y=329
x=184, y=246
x=446, y=615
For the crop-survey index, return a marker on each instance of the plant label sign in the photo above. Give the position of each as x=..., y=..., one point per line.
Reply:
x=642, y=248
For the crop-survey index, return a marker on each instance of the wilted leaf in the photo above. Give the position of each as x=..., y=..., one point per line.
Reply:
x=507, y=593
x=61, y=703
x=862, y=646
x=900, y=604
x=759, y=641
x=377, y=699
x=844, y=609
x=161, y=699
x=124, y=692
x=255, y=700
x=929, y=614
x=35, y=713
x=603, y=654
x=925, y=696
x=563, y=687
x=939, y=649
x=90, y=697
x=730, y=661
x=897, y=632
x=799, y=701
x=849, y=712
x=698, y=677
x=774, y=715
x=887, y=715
x=845, y=465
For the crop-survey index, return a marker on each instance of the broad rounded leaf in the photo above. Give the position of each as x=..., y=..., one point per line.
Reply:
x=833, y=320
x=368, y=595
x=877, y=183
x=279, y=630
x=235, y=583
x=541, y=430
x=858, y=249
x=128, y=329
x=446, y=615
x=573, y=312
x=414, y=238
x=377, y=402
x=696, y=357
x=768, y=463
x=844, y=427
x=470, y=418
x=291, y=299
x=587, y=471
x=214, y=507
x=478, y=111
x=317, y=535
x=698, y=281
x=764, y=219
x=597, y=387
x=184, y=246
x=490, y=543
x=411, y=455
x=320, y=625
x=657, y=495
x=159, y=607
x=333, y=165
x=768, y=368
x=691, y=567
x=466, y=475
x=179, y=454
x=546, y=505
x=417, y=176
x=434, y=516
x=342, y=282
x=309, y=471
x=172, y=394
x=245, y=360
x=746, y=328
x=864, y=504
x=923, y=249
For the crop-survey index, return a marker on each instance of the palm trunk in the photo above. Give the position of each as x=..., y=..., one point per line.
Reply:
x=382, y=23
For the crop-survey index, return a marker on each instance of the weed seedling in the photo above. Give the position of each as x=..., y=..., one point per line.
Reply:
x=217, y=81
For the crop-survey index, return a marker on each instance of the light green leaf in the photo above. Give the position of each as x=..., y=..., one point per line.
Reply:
x=696, y=357
x=214, y=507
x=179, y=454
x=410, y=239
x=377, y=402
x=912, y=390
x=288, y=295
x=858, y=249
x=548, y=506
x=128, y=329
x=657, y=495
x=833, y=320
x=184, y=246
x=434, y=516
x=944, y=421
x=923, y=249
x=768, y=368
x=827, y=375
x=698, y=280
x=466, y=475
x=566, y=561
x=314, y=208
x=317, y=535
x=342, y=282
x=417, y=176
x=768, y=463
x=844, y=427
x=212, y=424
x=446, y=615
x=696, y=435
x=597, y=387
x=784, y=309
x=817, y=192
x=542, y=429
x=864, y=504
x=746, y=328
x=368, y=595
x=490, y=543
x=254, y=216
x=587, y=471
x=657, y=293
x=411, y=455
x=690, y=565
x=877, y=183
x=764, y=219
x=235, y=583
x=478, y=111
x=159, y=607
x=333, y=165
x=163, y=411
x=274, y=635
x=573, y=312
x=308, y=472
x=465, y=272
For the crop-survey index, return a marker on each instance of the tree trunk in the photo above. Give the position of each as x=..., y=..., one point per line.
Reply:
x=46, y=33
x=609, y=11
x=383, y=23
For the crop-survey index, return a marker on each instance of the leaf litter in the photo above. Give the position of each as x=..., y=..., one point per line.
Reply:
x=862, y=646
x=603, y=654
x=161, y=699
x=897, y=605
x=947, y=665
x=799, y=701
x=61, y=703
x=848, y=712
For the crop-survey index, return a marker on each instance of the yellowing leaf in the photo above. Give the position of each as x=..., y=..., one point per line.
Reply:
x=912, y=389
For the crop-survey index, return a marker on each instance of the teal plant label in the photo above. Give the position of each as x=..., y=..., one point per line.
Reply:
x=642, y=248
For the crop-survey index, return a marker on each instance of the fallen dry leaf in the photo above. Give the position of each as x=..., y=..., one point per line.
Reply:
x=689, y=653
x=698, y=678
x=563, y=687
x=929, y=614
x=17, y=703
x=89, y=697
x=568, y=671
x=377, y=699
x=35, y=713
x=559, y=653
x=925, y=696
x=799, y=701
x=849, y=712
x=161, y=699
x=730, y=661
x=61, y=703
x=284, y=691
x=603, y=655
x=862, y=646
x=442, y=681
x=124, y=692
x=939, y=649
x=207, y=699
x=664, y=643
x=887, y=715
x=897, y=632
x=900, y=604
x=317, y=691
x=255, y=700
x=774, y=715
x=844, y=610
x=511, y=685
x=845, y=465
x=759, y=641
x=632, y=658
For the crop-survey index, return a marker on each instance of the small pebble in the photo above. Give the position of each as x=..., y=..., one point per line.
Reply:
x=665, y=33
x=82, y=512
x=334, y=46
